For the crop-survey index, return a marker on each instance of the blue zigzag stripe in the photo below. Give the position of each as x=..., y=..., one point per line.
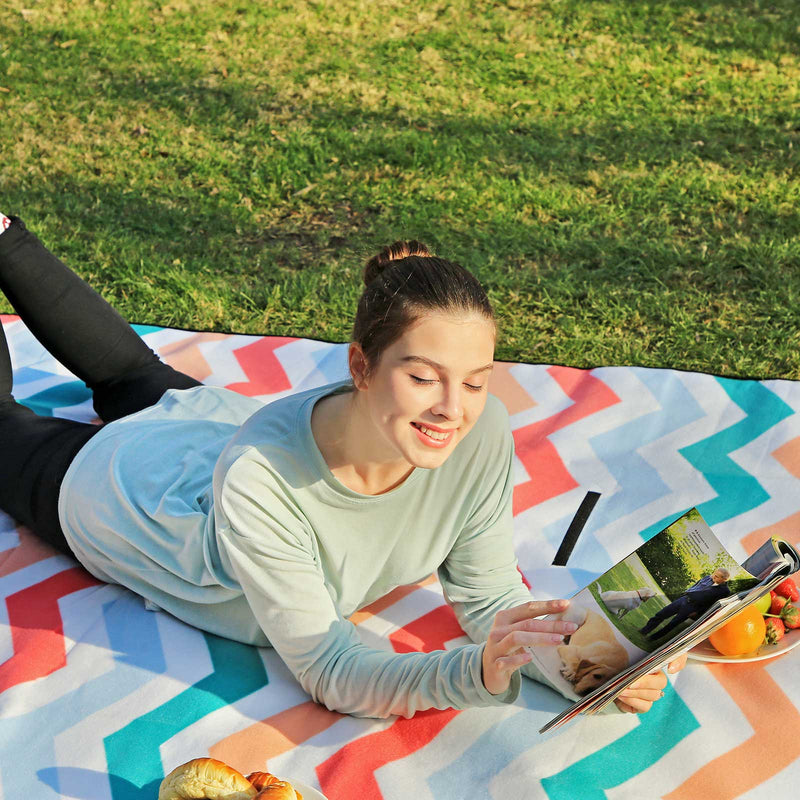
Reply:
x=669, y=721
x=658, y=731
x=639, y=483
x=133, y=752
x=737, y=490
x=25, y=748
x=65, y=394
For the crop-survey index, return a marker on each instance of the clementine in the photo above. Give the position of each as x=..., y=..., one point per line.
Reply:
x=741, y=634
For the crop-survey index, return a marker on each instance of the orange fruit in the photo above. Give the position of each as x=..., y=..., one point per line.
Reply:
x=741, y=634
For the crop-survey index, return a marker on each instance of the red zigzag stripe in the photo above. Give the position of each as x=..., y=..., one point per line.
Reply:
x=37, y=631
x=546, y=471
x=428, y=632
x=262, y=367
x=350, y=772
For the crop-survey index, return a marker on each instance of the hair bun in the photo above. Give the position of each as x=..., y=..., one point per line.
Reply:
x=394, y=252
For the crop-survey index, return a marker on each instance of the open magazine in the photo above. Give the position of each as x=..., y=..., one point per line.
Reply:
x=660, y=601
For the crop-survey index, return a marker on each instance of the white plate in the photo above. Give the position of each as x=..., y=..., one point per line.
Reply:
x=705, y=652
x=307, y=792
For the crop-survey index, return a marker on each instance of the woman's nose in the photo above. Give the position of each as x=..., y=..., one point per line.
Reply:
x=449, y=404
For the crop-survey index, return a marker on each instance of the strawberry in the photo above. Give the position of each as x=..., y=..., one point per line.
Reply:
x=777, y=604
x=775, y=630
x=788, y=589
x=791, y=616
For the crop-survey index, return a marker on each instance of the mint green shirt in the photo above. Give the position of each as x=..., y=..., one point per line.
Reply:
x=223, y=512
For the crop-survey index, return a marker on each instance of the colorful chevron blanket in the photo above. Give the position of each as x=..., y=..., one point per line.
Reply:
x=99, y=698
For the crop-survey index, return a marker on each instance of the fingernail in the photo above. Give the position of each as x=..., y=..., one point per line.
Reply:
x=556, y=639
x=571, y=627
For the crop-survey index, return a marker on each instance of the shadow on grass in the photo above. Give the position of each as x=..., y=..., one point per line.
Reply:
x=759, y=28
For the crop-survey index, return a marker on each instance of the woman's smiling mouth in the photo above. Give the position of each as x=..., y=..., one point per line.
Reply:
x=432, y=437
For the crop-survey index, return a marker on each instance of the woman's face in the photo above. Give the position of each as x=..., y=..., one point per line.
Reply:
x=429, y=388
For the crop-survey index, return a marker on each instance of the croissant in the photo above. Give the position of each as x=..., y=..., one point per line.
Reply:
x=205, y=778
x=279, y=790
x=209, y=779
x=261, y=779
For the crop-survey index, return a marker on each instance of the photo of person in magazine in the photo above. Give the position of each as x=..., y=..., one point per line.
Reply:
x=693, y=602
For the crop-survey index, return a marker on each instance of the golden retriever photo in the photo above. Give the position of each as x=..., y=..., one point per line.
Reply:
x=592, y=654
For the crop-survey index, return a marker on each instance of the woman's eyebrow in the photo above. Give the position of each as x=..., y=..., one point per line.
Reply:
x=436, y=365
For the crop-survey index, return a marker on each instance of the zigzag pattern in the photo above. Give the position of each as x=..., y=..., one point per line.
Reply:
x=737, y=491
x=99, y=698
x=36, y=628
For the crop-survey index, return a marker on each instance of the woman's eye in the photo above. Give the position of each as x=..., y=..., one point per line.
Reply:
x=424, y=381
x=472, y=387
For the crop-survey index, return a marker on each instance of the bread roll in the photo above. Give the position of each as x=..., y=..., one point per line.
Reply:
x=265, y=780
x=279, y=790
x=208, y=779
x=261, y=779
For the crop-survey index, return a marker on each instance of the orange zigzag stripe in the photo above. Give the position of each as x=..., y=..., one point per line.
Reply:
x=249, y=750
x=761, y=699
x=774, y=745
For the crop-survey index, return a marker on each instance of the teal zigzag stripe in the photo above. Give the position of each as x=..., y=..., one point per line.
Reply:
x=737, y=490
x=669, y=721
x=133, y=752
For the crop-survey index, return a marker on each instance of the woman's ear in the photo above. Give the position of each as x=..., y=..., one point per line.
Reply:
x=359, y=368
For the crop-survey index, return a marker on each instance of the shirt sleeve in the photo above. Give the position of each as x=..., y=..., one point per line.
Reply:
x=480, y=575
x=704, y=583
x=271, y=553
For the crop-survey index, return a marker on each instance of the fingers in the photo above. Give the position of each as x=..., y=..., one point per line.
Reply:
x=535, y=608
x=678, y=664
x=650, y=695
x=639, y=697
x=534, y=626
x=638, y=701
x=530, y=633
x=512, y=662
x=633, y=705
x=655, y=680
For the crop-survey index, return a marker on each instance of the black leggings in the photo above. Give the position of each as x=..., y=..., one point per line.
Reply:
x=96, y=344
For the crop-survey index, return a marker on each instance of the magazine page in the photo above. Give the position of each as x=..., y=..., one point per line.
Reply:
x=770, y=555
x=776, y=558
x=699, y=630
x=640, y=604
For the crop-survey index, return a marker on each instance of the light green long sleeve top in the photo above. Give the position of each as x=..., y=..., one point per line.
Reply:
x=274, y=550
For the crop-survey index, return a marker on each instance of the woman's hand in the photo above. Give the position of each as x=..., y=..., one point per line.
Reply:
x=515, y=629
x=640, y=695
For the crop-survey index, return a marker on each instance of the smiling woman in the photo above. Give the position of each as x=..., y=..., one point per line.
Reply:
x=272, y=524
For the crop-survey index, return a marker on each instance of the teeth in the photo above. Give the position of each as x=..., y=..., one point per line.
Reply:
x=433, y=434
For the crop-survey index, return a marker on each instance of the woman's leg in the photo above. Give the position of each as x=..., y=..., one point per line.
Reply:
x=80, y=329
x=36, y=452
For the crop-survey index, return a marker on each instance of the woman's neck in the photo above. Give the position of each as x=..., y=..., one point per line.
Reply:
x=345, y=438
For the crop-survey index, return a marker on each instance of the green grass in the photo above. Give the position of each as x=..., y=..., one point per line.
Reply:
x=623, y=578
x=622, y=175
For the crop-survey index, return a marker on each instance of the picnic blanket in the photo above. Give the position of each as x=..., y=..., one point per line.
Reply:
x=100, y=698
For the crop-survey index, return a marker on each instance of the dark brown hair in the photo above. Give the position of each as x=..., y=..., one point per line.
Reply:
x=402, y=282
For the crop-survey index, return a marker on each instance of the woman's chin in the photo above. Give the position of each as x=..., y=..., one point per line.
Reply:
x=429, y=458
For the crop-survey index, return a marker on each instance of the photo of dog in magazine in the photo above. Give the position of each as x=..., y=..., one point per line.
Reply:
x=662, y=599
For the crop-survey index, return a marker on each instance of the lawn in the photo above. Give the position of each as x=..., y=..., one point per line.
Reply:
x=622, y=175
x=623, y=578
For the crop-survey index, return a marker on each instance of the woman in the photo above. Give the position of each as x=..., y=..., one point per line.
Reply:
x=272, y=524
